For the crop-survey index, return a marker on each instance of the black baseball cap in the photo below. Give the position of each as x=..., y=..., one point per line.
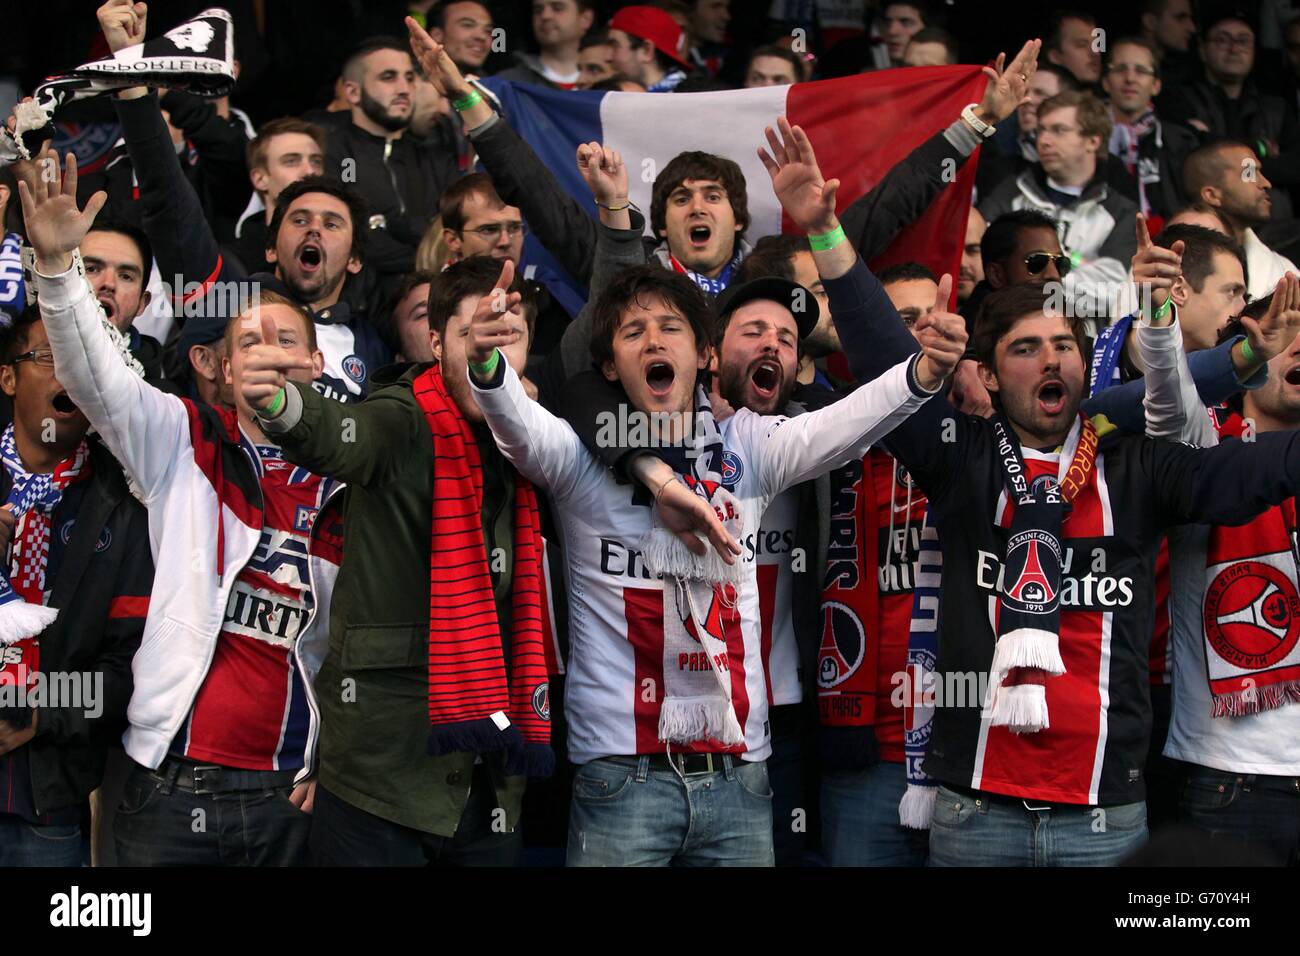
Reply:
x=791, y=295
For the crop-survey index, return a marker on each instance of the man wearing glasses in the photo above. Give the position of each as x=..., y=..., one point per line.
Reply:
x=477, y=222
x=1149, y=151
x=1068, y=184
x=1226, y=103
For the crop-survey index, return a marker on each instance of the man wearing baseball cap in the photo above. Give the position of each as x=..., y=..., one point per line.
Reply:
x=649, y=47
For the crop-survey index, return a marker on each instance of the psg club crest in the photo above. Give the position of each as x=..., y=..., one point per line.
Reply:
x=1252, y=615
x=354, y=368
x=844, y=644
x=1033, y=563
x=542, y=700
x=732, y=469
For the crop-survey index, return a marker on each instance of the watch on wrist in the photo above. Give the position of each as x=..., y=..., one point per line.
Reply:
x=978, y=125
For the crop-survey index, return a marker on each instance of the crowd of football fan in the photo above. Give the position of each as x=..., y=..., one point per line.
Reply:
x=307, y=443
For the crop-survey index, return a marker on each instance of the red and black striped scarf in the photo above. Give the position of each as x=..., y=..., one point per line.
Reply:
x=1251, y=609
x=473, y=705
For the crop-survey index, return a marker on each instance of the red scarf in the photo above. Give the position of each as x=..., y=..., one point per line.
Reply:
x=473, y=706
x=847, y=655
x=1251, y=609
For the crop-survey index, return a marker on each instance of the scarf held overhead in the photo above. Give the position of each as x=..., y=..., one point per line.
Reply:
x=1028, y=649
x=197, y=56
x=1251, y=609
x=474, y=704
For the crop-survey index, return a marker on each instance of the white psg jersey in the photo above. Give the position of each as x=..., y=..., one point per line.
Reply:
x=616, y=667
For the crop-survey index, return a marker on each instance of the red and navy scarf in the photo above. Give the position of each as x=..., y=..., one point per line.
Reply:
x=473, y=705
x=1251, y=609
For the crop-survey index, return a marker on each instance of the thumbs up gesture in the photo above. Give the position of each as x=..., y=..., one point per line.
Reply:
x=264, y=364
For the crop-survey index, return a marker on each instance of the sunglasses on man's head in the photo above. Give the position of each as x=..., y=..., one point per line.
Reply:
x=1036, y=262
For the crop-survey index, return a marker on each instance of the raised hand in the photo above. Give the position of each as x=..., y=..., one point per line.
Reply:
x=55, y=226
x=1007, y=85
x=436, y=65
x=1273, y=334
x=943, y=340
x=797, y=180
x=123, y=23
x=266, y=365
x=604, y=172
x=1154, y=266
x=490, y=326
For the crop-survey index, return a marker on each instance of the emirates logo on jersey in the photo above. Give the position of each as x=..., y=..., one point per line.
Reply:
x=1252, y=615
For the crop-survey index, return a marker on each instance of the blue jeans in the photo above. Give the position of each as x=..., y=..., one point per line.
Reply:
x=626, y=814
x=158, y=825
x=1246, y=808
x=860, y=819
x=25, y=844
x=975, y=830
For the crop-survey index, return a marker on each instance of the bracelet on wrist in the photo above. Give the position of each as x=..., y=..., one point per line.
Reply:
x=468, y=101
x=274, y=409
x=822, y=242
x=663, y=486
x=486, y=369
x=627, y=204
x=1159, y=314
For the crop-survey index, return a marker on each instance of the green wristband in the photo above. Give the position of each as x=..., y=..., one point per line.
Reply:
x=471, y=99
x=487, y=368
x=277, y=405
x=827, y=240
x=1159, y=314
x=1247, y=354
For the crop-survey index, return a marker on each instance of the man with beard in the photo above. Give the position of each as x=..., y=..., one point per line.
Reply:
x=1054, y=608
x=315, y=240
x=638, y=682
x=1227, y=176
x=399, y=177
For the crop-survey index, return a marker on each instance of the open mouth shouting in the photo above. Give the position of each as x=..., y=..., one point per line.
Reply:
x=310, y=257
x=699, y=235
x=63, y=406
x=765, y=376
x=1292, y=376
x=1051, y=397
x=659, y=377
x=109, y=307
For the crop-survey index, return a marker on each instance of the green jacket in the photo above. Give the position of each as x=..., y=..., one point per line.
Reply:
x=372, y=687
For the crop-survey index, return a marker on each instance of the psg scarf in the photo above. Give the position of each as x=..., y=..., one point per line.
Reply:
x=847, y=655
x=198, y=56
x=699, y=616
x=1106, y=355
x=917, y=805
x=23, y=613
x=474, y=705
x=712, y=287
x=1251, y=609
x=1029, y=613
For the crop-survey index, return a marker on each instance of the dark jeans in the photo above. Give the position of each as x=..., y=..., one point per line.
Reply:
x=1246, y=809
x=786, y=773
x=1164, y=774
x=26, y=844
x=343, y=835
x=158, y=824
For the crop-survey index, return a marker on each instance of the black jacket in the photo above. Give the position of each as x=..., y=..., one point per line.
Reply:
x=401, y=180
x=101, y=588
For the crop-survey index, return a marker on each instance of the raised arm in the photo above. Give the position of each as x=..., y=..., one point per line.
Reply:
x=518, y=174
x=907, y=190
x=144, y=428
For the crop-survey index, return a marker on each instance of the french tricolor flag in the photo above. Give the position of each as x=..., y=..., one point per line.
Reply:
x=860, y=126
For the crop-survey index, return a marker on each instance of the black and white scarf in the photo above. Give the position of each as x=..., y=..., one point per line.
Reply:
x=198, y=56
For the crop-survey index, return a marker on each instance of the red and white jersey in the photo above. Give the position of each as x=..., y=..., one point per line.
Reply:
x=772, y=548
x=252, y=710
x=616, y=666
